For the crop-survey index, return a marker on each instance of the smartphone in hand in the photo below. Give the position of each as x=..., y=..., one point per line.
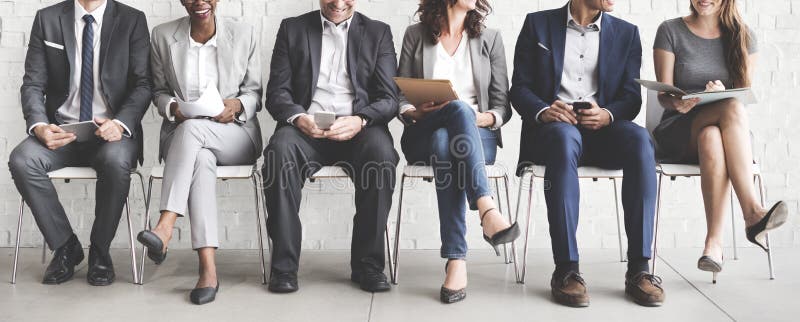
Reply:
x=580, y=105
x=324, y=119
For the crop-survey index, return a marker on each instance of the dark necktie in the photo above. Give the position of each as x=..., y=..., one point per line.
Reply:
x=87, y=75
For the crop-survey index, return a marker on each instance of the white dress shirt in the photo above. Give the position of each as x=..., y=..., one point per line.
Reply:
x=70, y=111
x=579, y=78
x=200, y=70
x=334, y=91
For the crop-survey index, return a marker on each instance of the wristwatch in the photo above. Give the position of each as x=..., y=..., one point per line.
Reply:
x=364, y=120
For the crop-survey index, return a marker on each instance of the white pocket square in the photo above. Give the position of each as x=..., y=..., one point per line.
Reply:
x=54, y=45
x=543, y=46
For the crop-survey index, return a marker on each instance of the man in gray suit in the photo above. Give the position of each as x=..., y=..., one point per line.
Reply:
x=76, y=71
x=332, y=60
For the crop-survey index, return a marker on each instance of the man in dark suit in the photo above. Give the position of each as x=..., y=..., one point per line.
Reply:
x=580, y=56
x=87, y=60
x=339, y=61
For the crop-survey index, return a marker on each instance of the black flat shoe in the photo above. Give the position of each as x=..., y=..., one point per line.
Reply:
x=448, y=296
x=504, y=236
x=280, y=282
x=62, y=266
x=708, y=264
x=154, y=246
x=204, y=295
x=775, y=217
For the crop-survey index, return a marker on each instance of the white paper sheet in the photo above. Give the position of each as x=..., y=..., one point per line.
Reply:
x=208, y=105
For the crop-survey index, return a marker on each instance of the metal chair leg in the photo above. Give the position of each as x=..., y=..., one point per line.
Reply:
x=146, y=225
x=733, y=228
x=266, y=231
x=500, y=209
x=44, y=250
x=655, y=229
x=16, y=246
x=256, y=180
x=769, y=248
x=510, y=219
x=521, y=279
x=130, y=240
x=619, y=230
x=397, y=231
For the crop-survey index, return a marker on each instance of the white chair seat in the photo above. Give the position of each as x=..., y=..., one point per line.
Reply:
x=689, y=170
x=73, y=173
x=417, y=171
x=223, y=172
x=330, y=172
x=583, y=172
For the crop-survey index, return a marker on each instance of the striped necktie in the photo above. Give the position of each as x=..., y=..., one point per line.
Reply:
x=87, y=75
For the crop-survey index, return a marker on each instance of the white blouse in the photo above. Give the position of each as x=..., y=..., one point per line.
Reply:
x=458, y=69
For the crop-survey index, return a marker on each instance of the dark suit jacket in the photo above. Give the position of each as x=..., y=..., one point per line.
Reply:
x=124, y=64
x=539, y=64
x=371, y=62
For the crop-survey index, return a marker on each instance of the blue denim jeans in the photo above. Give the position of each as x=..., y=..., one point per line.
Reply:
x=450, y=142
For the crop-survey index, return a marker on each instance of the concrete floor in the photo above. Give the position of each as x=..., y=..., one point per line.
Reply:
x=744, y=291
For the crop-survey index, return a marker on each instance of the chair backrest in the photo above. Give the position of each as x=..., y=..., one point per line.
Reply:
x=654, y=111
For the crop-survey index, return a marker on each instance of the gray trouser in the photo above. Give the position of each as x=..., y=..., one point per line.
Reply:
x=30, y=162
x=190, y=174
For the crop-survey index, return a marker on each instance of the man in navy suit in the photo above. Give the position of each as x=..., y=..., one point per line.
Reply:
x=573, y=57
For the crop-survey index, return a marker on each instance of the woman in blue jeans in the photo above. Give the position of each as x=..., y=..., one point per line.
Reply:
x=458, y=138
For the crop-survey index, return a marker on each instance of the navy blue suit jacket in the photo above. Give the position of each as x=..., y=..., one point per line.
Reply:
x=537, y=70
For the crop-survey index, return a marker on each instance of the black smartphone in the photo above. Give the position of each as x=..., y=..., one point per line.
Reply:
x=581, y=105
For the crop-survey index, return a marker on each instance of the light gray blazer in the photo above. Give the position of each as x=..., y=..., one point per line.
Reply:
x=488, y=66
x=239, y=63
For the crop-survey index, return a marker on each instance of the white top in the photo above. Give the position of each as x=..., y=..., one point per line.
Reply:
x=201, y=69
x=579, y=78
x=70, y=111
x=334, y=91
x=458, y=69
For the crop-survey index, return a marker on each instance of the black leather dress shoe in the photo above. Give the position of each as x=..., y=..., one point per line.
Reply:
x=371, y=280
x=281, y=282
x=204, y=295
x=101, y=270
x=62, y=266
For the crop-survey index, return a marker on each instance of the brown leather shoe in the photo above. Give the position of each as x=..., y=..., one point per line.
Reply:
x=570, y=290
x=645, y=289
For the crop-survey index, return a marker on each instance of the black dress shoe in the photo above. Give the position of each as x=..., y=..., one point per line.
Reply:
x=204, y=295
x=62, y=266
x=775, y=217
x=154, y=246
x=371, y=280
x=101, y=269
x=282, y=282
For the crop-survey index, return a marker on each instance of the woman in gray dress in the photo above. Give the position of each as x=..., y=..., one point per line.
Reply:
x=712, y=49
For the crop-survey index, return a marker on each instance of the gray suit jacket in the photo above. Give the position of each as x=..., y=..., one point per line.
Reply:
x=488, y=66
x=123, y=64
x=238, y=60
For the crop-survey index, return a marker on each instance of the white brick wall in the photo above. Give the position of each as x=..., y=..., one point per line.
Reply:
x=327, y=206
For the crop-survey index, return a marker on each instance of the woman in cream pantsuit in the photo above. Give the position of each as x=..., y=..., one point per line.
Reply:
x=189, y=56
